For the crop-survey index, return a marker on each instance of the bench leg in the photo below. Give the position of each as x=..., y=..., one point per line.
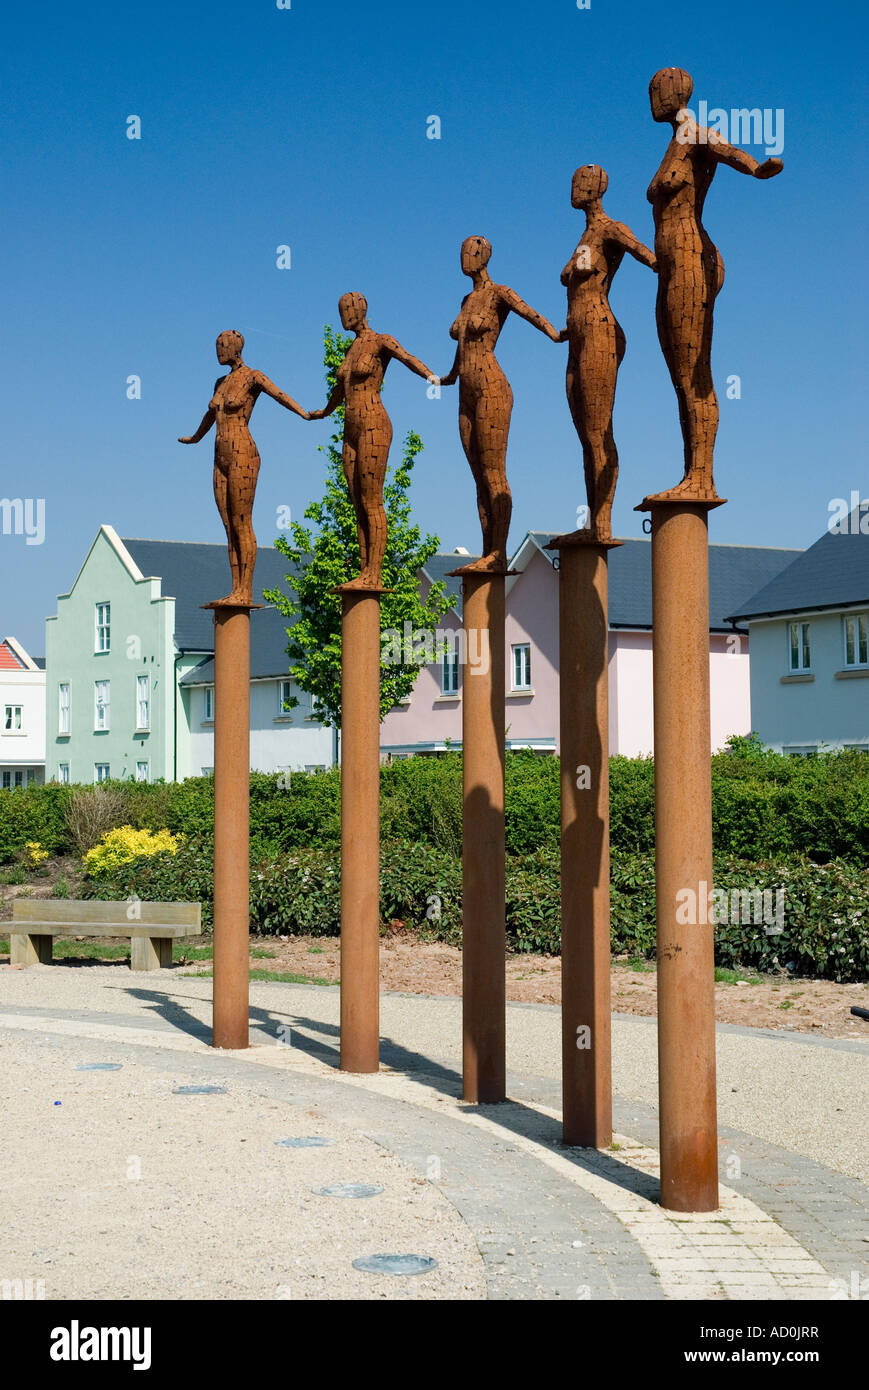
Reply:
x=30, y=950
x=150, y=952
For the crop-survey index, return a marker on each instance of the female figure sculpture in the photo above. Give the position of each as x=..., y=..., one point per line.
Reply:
x=485, y=398
x=597, y=343
x=690, y=268
x=236, y=457
x=367, y=429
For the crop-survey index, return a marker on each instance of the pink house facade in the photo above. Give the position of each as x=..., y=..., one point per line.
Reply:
x=430, y=721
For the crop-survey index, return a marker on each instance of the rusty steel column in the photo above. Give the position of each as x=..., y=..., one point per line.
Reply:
x=484, y=1063
x=360, y=830
x=683, y=856
x=231, y=1027
x=586, y=1047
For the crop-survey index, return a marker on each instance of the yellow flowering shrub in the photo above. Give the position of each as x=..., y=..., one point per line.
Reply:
x=124, y=844
x=34, y=854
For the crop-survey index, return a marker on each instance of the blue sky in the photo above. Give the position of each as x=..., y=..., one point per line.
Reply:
x=307, y=127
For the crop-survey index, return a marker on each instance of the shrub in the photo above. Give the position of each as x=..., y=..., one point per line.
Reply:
x=34, y=854
x=91, y=811
x=123, y=845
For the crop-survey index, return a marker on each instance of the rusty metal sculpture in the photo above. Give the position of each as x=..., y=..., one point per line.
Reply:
x=485, y=398
x=367, y=429
x=597, y=343
x=236, y=457
x=690, y=268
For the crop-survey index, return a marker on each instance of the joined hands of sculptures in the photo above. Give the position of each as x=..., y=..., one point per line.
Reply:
x=236, y=458
x=367, y=430
x=597, y=344
x=690, y=270
x=485, y=398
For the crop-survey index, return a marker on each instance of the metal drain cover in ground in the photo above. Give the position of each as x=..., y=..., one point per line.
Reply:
x=396, y=1264
x=99, y=1066
x=308, y=1141
x=199, y=1091
x=348, y=1189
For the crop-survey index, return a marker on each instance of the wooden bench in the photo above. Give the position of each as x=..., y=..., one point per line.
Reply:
x=151, y=927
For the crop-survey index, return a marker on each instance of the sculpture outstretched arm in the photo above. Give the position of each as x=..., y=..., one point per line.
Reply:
x=205, y=425
x=740, y=160
x=278, y=395
x=333, y=402
x=634, y=247
x=407, y=359
x=525, y=311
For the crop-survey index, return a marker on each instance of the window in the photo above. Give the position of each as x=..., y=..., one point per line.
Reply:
x=208, y=772
x=800, y=750
x=63, y=707
x=209, y=702
x=101, y=705
x=63, y=773
x=20, y=777
x=143, y=772
x=800, y=647
x=7, y=780
x=450, y=673
x=12, y=719
x=522, y=666
x=101, y=772
x=143, y=702
x=315, y=767
x=857, y=640
x=103, y=627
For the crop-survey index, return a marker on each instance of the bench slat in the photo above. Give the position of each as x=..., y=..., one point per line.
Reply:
x=122, y=929
x=91, y=913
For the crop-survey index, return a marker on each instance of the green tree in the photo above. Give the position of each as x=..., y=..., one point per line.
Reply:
x=319, y=561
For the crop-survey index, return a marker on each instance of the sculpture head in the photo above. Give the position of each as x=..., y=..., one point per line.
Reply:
x=229, y=347
x=353, y=308
x=669, y=91
x=589, y=184
x=476, y=251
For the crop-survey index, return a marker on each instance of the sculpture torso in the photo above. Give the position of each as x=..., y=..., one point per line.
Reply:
x=361, y=374
x=588, y=285
x=233, y=402
x=477, y=330
x=677, y=194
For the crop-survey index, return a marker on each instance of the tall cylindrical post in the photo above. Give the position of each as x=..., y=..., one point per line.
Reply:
x=231, y=1026
x=683, y=856
x=483, y=915
x=360, y=830
x=585, y=866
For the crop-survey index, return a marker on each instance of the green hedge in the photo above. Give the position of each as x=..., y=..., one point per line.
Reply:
x=826, y=913
x=764, y=806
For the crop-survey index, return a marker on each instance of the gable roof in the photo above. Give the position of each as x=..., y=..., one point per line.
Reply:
x=832, y=573
x=193, y=573
x=437, y=568
x=735, y=572
x=13, y=657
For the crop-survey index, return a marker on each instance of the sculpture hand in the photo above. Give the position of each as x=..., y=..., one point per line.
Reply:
x=564, y=336
x=186, y=439
x=769, y=168
x=315, y=415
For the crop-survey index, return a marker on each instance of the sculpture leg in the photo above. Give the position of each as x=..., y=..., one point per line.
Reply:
x=685, y=330
x=220, y=496
x=240, y=495
x=472, y=454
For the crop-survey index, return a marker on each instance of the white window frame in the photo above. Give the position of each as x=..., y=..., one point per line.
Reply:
x=143, y=716
x=97, y=777
x=803, y=641
x=450, y=672
x=6, y=780
x=102, y=708
x=209, y=703
x=146, y=776
x=103, y=627
x=64, y=709
x=282, y=695
x=63, y=774
x=9, y=721
x=515, y=651
x=860, y=624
